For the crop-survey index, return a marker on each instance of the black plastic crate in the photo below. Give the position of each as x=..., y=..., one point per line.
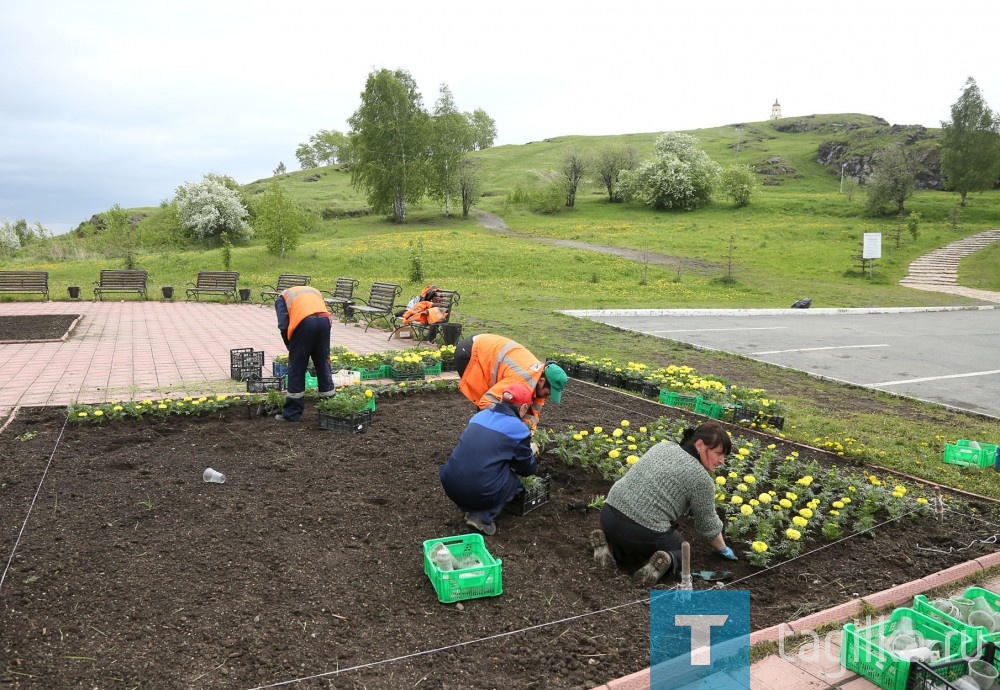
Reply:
x=354, y=423
x=532, y=498
x=244, y=373
x=937, y=676
x=246, y=357
x=259, y=384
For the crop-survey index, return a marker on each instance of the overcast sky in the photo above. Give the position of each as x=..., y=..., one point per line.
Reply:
x=108, y=102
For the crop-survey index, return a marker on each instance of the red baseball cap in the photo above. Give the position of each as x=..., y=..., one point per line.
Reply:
x=518, y=394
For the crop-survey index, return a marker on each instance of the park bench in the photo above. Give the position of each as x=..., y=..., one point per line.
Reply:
x=214, y=283
x=379, y=305
x=25, y=281
x=113, y=280
x=445, y=300
x=285, y=281
x=342, y=296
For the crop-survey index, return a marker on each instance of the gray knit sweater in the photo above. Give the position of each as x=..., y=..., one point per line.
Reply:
x=666, y=483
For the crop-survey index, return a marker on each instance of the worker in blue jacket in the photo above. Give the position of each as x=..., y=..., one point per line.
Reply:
x=481, y=474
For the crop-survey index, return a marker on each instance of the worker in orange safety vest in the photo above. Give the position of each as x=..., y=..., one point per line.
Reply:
x=489, y=364
x=304, y=323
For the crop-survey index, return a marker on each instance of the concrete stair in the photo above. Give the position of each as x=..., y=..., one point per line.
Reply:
x=940, y=267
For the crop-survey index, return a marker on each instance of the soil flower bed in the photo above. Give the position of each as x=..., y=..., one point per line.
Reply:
x=133, y=572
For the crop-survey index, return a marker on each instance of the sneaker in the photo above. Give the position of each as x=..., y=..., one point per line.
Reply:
x=487, y=528
x=649, y=574
x=282, y=418
x=602, y=554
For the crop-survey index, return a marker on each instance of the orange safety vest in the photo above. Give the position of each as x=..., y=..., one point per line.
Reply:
x=302, y=301
x=424, y=312
x=495, y=363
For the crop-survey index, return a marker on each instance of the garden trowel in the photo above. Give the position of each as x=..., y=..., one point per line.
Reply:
x=712, y=575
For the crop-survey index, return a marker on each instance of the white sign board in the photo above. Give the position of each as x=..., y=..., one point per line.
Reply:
x=873, y=246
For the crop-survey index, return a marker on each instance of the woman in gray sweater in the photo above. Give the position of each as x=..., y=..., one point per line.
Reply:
x=639, y=517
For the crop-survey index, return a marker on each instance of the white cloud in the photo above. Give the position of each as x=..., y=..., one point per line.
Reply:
x=121, y=102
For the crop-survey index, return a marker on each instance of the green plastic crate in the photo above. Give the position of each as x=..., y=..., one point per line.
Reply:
x=675, y=399
x=432, y=370
x=381, y=372
x=936, y=675
x=311, y=381
x=464, y=583
x=964, y=452
x=709, y=408
x=977, y=632
x=860, y=649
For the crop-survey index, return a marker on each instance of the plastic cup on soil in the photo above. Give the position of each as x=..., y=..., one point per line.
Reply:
x=214, y=477
x=983, y=673
x=983, y=618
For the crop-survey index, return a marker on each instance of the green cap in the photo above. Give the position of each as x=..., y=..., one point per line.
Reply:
x=556, y=377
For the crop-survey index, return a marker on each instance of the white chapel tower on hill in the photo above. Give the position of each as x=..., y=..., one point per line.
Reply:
x=776, y=110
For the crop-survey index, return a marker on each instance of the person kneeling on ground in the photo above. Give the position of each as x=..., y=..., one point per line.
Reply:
x=481, y=474
x=639, y=517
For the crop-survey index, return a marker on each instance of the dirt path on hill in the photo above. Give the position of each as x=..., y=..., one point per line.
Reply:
x=496, y=223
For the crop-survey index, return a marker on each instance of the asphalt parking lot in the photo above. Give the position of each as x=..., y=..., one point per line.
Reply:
x=946, y=355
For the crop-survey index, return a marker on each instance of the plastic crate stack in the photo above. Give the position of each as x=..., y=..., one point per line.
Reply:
x=972, y=454
x=931, y=645
x=244, y=362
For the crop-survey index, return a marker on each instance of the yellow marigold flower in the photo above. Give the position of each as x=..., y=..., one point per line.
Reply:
x=742, y=487
x=720, y=480
x=614, y=453
x=584, y=432
x=598, y=429
x=764, y=498
x=922, y=501
x=632, y=459
x=746, y=510
x=188, y=399
x=805, y=481
x=147, y=402
x=624, y=424
x=642, y=430
x=196, y=402
x=754, y=502
x=577, y=437
x=834, y=512
x=897, y=494
x=813, y=504
x=630, y=438
x=799, y=521
x=632, y=446
x=98, y=413
x=900, y=489
x=736, y=500
x=759, y=546
x=180, y=404
x=617, y=433
x=201, y=399
x=220, y=397
x=846, y=499
x=806, y=513
x=720, y=497
x=161, y=406
x=793, y=534
x=785, y=503
x=838, y=504
x=368, y=393
x=750, y=479
x=743, y=452
x=771, y=446
x=852, y=489
x=117, y=408
x=732, y=475
x=790, y=496
x=81, y=414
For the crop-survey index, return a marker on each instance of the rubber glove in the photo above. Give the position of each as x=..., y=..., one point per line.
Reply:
x=534, y=448
x=728, y=554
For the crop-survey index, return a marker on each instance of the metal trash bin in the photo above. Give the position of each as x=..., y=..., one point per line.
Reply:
x=451, y=333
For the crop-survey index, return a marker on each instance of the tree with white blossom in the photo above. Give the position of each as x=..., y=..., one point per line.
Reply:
x=209, y=208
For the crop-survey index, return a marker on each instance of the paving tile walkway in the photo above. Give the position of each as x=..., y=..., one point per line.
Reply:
x=131, y=350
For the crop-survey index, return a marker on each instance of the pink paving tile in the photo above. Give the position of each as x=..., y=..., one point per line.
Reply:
x=635, y=681
x=859, y=684
x=775, y=673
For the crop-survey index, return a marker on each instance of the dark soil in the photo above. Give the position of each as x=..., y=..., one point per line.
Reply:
x=47, y=327
x=133, y=572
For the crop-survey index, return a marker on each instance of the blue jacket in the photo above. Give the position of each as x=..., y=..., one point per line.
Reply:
x=478, y=471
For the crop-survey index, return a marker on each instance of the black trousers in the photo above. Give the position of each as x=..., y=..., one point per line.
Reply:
x=632, y=544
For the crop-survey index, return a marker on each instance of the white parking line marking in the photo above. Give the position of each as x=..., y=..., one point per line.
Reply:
x=936, y=378
x=813, y=349
x=705, y=330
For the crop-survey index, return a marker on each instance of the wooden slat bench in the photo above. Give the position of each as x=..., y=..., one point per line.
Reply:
x=379, y=306
x=113, y=280
x=214, y=283
x=285, y=281
x=445, y=300
x=342, y=296
x=25, y=281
